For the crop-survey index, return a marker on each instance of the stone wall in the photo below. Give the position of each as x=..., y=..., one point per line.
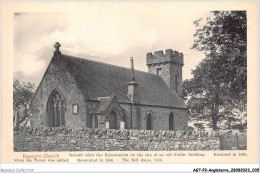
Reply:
x=233, y=140
x=160, y=118
x=65, y=139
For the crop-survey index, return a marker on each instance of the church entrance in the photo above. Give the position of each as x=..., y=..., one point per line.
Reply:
x=95, y=122
x=56, y=109
x=112, y=120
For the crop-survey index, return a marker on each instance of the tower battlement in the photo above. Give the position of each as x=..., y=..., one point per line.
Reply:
x=160, y=57
x=168, y=65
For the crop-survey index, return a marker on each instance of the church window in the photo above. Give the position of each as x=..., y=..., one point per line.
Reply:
x=176, y=82
x=75, y=109
x=56, y=109
x=159, y=71
x=171, y=122
x=149, y=122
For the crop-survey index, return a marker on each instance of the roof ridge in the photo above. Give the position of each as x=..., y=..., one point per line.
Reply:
x=70, y=56
x=104, y=97
x=99, y=79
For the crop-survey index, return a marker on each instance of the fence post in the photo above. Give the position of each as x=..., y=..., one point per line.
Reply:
x=237, y=142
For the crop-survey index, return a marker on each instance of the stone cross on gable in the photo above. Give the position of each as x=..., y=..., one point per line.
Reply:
x=57, y=46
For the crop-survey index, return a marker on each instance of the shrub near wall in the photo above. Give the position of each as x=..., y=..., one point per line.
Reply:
x=64, y=139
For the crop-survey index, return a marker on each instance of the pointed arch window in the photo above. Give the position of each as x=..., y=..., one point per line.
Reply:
x=149, y=122
x=56, y=109
x=171, y=121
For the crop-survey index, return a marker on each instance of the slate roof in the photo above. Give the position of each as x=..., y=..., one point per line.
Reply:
x=97, y=79
x=103, y=104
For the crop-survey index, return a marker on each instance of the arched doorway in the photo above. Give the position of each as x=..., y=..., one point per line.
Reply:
x=95, y=122
x=112, y=120
x=56, y=109
x=171, y=121
x=149, y=122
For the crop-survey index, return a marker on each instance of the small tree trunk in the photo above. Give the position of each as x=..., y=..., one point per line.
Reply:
x=17, y=119
x=214, y=125
x=214, y=110
x=214, y=118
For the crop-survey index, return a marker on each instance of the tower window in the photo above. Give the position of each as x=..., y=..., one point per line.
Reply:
x=176, y=82
x=159, y=71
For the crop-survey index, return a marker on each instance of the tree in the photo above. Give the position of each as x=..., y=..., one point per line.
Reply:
x=218, y=90
x=22, y=95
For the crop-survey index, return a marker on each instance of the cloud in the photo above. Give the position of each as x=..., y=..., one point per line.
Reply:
x=111, y=35
x=32, y=66
x=101, y=36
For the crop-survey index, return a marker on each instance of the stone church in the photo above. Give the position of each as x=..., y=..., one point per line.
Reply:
x=81, y=93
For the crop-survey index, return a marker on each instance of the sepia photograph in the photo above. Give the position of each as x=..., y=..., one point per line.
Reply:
x=83, y=94
x=129, y=82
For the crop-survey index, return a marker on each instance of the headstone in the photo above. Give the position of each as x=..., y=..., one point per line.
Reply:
x=122, y=125
x=107, y=125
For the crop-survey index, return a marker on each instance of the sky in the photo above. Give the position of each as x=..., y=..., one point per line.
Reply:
x=111, y=35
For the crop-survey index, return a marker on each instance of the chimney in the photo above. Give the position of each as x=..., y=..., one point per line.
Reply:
x=132, y=86
x=132, y=69
x=57, y=46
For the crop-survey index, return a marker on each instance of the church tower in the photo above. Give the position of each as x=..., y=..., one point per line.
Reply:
x=168, y=66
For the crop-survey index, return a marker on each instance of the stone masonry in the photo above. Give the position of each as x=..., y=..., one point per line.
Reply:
x=168, y=66
x=71, y=139
x=76, y=93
